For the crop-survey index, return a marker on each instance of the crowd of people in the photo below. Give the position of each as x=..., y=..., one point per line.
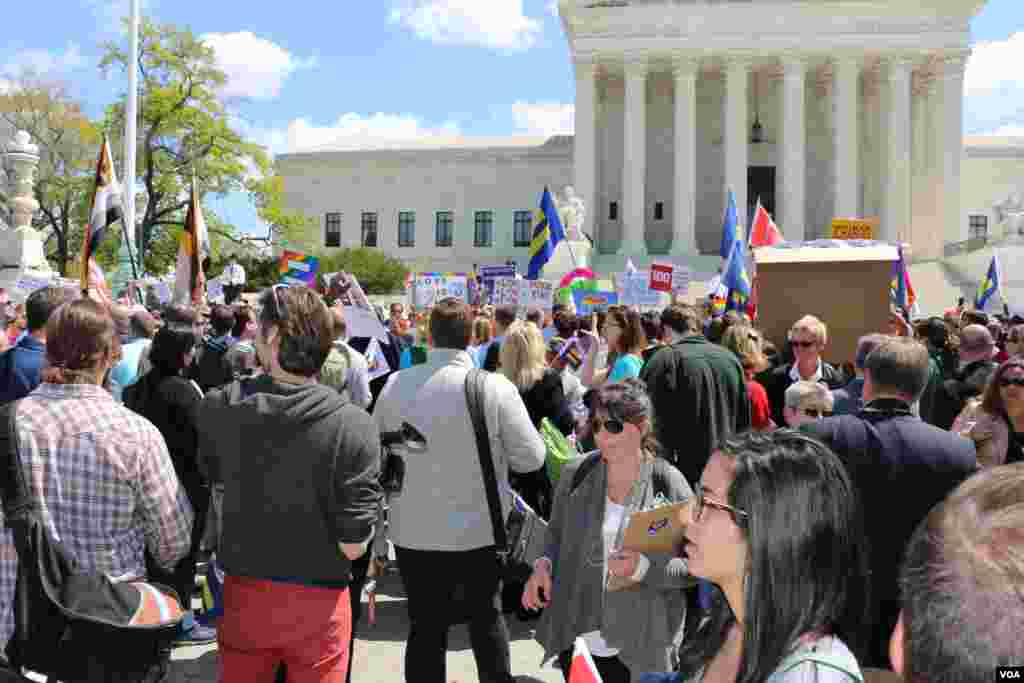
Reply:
x=868, y=515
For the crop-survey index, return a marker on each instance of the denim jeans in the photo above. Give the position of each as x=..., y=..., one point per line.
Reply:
x=433, y=579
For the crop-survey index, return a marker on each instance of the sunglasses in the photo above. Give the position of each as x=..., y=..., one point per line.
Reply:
x=1012, y=381
x=279, y=308
x=702, y=501
x=802, y=344
x=611, y=425
x=812, y=412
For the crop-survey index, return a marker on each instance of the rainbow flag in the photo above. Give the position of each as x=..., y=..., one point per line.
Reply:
x=299, y=269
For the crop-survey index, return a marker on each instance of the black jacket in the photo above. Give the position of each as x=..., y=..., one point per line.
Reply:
x=700, y=398
x=901, y=467
x=300, y=467
x=547, y=399
x=951, y=396
x=778, y=380
x=171, y=403
x=211, y=368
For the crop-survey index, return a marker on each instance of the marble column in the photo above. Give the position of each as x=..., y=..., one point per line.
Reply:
x=21, y=246
x=634, y=159
x=793, y=152
x=950, y=143
x=736, y=130
x=896, y=198
x=585, y=143
x=846, y=71
x=684, y=200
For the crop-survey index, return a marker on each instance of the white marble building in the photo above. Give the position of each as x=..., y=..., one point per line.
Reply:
x=839, y=108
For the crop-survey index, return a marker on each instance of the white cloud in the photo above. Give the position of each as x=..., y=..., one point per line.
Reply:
x=1012, y=131
x=351, y=132
x=553, y=7
x=255, y=67
x=45, y=61
x=498, y=24
x=544, y=118
x=993, y=88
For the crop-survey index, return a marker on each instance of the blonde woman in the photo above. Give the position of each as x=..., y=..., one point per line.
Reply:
x=745, y=342
x=481, y=336
x=523, y=361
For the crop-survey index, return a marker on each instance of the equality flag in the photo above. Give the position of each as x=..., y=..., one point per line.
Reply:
x=547, y=233
x=730, y=227
x=989, y=286
x=764, y=232
x=736, y=279
x=582, y=669
x=105, y=210
x=193, y=248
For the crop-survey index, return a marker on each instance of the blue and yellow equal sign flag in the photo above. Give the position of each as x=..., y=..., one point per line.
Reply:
x=547, y=233
x=989, y=286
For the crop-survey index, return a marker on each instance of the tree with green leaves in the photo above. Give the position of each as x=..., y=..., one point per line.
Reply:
x=377, y=272
x=184, y=130
x=68, y=146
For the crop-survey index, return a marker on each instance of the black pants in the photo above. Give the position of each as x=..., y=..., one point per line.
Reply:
x=182, y=578
x=612, y=669
x=432, y=579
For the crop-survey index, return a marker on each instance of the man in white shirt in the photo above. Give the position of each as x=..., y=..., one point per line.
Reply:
x=234, y=281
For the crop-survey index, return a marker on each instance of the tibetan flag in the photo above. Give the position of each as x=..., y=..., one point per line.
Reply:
x=193, y=248
x=582, y=669
x=735, y=278
x=105, y=210
x=989, y=286
x=731, y=229
x=764, y=232
x=547, y=233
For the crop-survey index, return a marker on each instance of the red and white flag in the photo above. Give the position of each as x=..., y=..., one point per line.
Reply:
x=764, y=232
x=582, y=668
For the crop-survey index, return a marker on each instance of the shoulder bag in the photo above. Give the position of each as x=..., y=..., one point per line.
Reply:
x=519, y=540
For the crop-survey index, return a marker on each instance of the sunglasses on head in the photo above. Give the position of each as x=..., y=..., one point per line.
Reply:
x=1012, y=381
x=611, y=425
x=802, y=344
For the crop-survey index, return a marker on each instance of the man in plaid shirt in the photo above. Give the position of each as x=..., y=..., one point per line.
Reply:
x=106, y=483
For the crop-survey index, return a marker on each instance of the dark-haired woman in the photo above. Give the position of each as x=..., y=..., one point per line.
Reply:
x=776, y=528
x=170, y=402
x=639, y=627
x=996, y=422
x=625, y=336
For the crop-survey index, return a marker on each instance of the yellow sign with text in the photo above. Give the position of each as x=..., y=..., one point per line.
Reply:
x=854, y=228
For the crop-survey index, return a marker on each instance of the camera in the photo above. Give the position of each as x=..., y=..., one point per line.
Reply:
x=396, y=446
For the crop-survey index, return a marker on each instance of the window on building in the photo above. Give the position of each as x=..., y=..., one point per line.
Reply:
x=483, y=230
x=443, y=229
x=977, y=227
x=659, y=211
x=369, y=229
x=406, y=228
x=332, y=230
x=613, y=211
x=522, y=228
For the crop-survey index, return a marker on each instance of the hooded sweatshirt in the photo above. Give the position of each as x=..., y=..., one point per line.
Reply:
x=300, y=468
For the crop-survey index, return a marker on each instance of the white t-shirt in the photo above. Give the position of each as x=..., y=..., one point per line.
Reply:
x=613, y=514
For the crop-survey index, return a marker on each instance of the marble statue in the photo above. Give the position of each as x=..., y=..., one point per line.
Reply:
x=1010, y=216
x=573, y=213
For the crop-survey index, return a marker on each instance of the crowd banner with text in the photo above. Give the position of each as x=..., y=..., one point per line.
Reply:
x=429, y=288
x=854, y=228
x=592, y=301
x=299, y=269
x=634, y=290
x=489, y=274
x=523, y=293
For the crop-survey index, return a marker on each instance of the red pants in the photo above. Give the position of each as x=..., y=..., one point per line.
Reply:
x=267, y=622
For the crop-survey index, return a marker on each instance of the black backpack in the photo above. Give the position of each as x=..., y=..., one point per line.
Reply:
x=70, y=624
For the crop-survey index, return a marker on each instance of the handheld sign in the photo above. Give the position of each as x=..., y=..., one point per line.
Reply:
x=661, y=277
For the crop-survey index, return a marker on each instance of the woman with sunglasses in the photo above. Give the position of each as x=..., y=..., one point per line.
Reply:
x=624, y=332
x=627, y=606
x=996, y=422
x=776, y=528
x=807, y=340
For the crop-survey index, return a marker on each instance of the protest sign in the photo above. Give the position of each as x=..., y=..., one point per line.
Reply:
x=377, y=363
x=681, y=278
x=540, y=294
x=588, y=302
x=215, y=291
x=661, y=277
x=26, y=284
x=634, y=289
x=429, y=288
x=524, y=293
x=489, y=274
x=299, y=269
x=507, y=292
x=363, y=322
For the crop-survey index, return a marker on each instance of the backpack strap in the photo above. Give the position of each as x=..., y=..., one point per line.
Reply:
x=14, y=489
x=475, y=383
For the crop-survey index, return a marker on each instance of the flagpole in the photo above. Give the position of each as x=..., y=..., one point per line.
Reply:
x=130, y=123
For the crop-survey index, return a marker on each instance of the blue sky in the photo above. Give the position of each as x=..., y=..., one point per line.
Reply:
x=312, y=72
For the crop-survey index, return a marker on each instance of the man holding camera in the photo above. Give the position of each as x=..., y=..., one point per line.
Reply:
x=440, y=522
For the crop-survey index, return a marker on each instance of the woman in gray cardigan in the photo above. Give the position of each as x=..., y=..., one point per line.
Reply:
x=637, y=628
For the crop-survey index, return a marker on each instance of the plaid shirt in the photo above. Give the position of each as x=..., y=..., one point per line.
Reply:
x=106, y=484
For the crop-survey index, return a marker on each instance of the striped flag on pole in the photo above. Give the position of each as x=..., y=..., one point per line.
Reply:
x=106, y=209
x=582, y=669
x=194, y=246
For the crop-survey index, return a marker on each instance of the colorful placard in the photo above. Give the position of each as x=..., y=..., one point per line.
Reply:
x=489, y=274
x=524, y=293
x=854, y=228
x=634, y=290
x=588, y=302
x=299, y=269
x=661, y=277
x=429, y=288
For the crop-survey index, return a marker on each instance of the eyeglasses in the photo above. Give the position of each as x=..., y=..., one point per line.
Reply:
x=279, y=308
x=815, y=413
x=1012, y=381
x=802, y=344
x=701, y=501
x=611, y=425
